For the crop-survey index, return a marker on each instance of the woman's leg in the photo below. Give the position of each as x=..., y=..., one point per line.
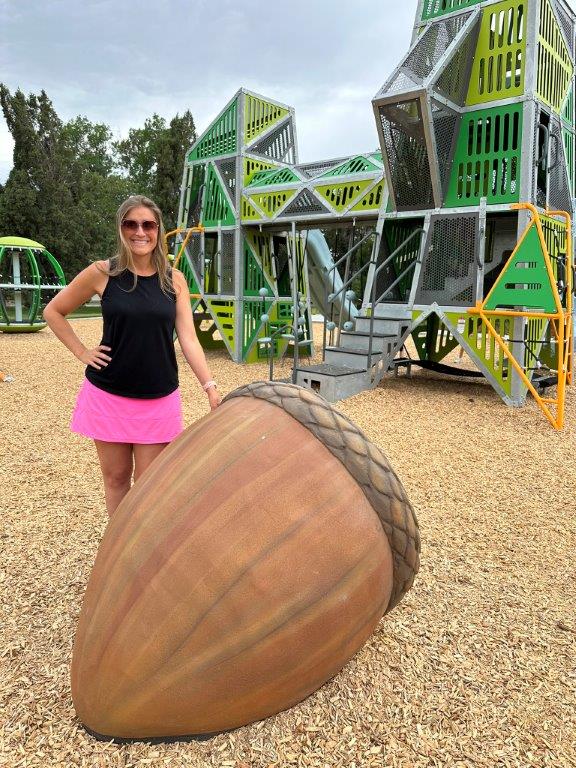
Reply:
x=117, y=464
x=144, y=455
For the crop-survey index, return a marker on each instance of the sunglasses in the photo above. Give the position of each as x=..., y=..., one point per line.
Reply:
x=132, y=226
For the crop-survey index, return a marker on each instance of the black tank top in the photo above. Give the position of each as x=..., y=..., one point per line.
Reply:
x=139, y=329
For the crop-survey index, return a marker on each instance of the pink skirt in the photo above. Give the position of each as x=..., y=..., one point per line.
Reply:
x=116, y=419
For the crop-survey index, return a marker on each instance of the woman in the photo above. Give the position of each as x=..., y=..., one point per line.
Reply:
x=129, y=402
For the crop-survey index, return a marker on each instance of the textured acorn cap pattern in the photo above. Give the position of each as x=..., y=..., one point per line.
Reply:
x=364, y=461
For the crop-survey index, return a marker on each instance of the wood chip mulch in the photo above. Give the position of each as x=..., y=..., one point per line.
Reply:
x=476, y=666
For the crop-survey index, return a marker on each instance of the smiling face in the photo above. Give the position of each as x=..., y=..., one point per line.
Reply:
x=141, y=240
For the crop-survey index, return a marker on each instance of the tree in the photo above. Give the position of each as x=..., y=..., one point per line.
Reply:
x=153, y=158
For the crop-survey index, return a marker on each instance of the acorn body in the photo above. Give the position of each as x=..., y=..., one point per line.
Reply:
x=240, y=573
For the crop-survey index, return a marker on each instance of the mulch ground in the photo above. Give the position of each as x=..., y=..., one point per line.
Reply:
x=476, y=666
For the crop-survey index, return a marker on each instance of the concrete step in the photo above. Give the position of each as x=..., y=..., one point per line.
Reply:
x=381, y=342
x=351, y=358
x=333, y=382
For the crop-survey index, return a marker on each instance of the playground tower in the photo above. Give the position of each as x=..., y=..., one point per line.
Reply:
x=477, y=136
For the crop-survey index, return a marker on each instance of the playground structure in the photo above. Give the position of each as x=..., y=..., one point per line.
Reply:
x=469, y=207
x=29, y=277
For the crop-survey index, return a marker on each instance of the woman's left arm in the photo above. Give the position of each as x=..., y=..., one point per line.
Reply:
x=189, y=343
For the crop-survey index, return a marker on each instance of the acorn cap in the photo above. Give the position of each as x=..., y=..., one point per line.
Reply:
x=365, y=463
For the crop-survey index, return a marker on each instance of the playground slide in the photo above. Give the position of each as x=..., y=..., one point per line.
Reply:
x=322, y=281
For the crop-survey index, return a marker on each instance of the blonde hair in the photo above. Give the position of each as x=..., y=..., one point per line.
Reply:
x=123, y=258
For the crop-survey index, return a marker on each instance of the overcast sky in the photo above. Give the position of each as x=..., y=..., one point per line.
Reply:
x=118, y=62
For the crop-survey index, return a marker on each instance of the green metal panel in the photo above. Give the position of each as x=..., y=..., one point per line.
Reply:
x=358, y=164
x=186, y=269
x=524, y=282
x=270, y=202
x=340, y=196
x=252, y=167
x=487, y=159
x=221, y=138
x=434, y=8
x=254, y=276
x=568, y=109
x=269, y=177
x=483, y=347
x=555, y=67
x=259, y=116
x=251, y=314
x=216, y=210
x=500, y=60
x=570, y=157
x=371, y=200
x=433, y=339
x=223, y=315
x=248, y=212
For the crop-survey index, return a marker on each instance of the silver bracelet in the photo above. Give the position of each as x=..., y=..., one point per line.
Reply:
x=209, y=385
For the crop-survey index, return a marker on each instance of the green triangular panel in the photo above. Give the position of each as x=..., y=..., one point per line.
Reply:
x=259, y=115
x=483, y=347
x=340, y=196
x=267, y=178
x=271, y=202
x=223, y=314
x=248, y=212
x=186, y=269
x=221, y=138
x=254, y=276
x=251, y=316
x=433, y=339
x=371, y=200
x=357, y=164
x=524, y=281
x=252, y=167
x=217, y=210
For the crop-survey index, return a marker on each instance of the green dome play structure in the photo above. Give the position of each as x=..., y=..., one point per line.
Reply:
x=29, y=277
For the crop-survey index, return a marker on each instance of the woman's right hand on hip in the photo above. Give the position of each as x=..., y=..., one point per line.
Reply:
x=96, y=358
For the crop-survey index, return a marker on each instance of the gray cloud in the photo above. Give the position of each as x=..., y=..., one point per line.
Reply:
x=119, y=62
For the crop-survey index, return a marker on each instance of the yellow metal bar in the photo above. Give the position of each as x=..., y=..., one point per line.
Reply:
x=512, y=313
x=189, y=234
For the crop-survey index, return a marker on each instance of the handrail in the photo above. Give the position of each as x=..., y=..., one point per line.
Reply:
x=420, y=231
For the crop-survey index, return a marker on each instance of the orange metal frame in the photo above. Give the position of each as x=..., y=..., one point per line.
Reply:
x=561, y=320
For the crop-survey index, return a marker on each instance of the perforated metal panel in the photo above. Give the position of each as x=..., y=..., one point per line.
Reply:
x=449, y=268
x=227, y=260
x=400, y=83
x=432, y=45
x=407, y=154
x=446, y=123
x=227, y=170
x=311, y=170
x=567, y=24
x=278, y=145
x=194, y=254
x=454, y=80
x=559, y=197
x=304, y=205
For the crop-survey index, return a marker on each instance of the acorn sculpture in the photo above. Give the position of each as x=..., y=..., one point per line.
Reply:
x=245, y=568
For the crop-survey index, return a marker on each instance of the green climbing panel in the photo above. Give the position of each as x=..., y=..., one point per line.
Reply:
x=358, y=164
x=186, y=269
x=371, y=200
x=222, y=313
x=220, y=138
x=251, y=323
x=434, y=8
x=487, y=159
x=254, y=276
x=271, y=202
x=482, y=346
x=268, y=178
x=433, y=339
x=568, y=108
x=341, y=196
x=500, y=60
x=555, y=68
x=524, y=281
x=248, y=211
x=252, y=167
x=259, y=116
x=217, y=209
